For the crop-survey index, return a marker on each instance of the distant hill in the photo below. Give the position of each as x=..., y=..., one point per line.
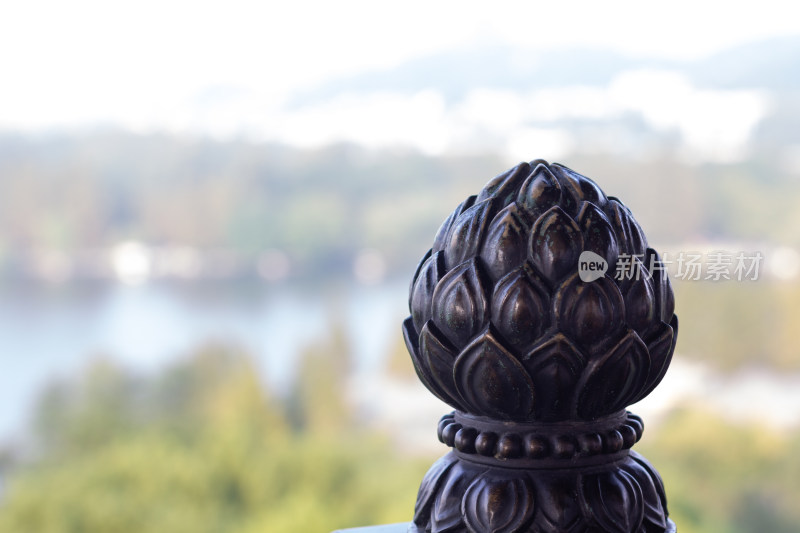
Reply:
x=74, y=193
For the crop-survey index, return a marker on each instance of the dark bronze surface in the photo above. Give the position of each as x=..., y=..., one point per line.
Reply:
x=539, y=358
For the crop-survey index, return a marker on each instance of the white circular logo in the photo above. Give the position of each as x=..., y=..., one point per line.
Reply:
x=591, y=266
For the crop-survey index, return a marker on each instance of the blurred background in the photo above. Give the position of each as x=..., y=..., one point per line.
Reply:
x=210, y=213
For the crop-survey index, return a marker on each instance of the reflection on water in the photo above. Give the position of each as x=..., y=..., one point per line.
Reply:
x=51, y=333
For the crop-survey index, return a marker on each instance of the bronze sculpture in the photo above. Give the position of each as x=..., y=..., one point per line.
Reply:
x=539, y=314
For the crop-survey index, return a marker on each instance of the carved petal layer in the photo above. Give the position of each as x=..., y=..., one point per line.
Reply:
x=614, y=500
x=598, y=235
x=504, y=247
x=557, y=499
x=416, y=275
x=420, y=367
x=520, y=310
x=467, y=233
x=446, y=512
x=504, y=187
x=555, y=368
x=429, y=487
x=640, y=304
x=589, y=312
x=555, y=244
x=654, y=513
x=459, y=308
x=581, y=188
x=422, y=291
x=539, y=192
x=611, y=381
x=498, y=505
x=658, y=485
x=661, y=348
x=439, y=358
x=443, y=234
x=492, y=382
x=662, y=285
x=630, y=237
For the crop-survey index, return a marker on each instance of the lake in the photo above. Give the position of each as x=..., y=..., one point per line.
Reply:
x=49, y=333
x=53, y=333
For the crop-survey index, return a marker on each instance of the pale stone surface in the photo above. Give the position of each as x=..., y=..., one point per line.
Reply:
x=388, y=528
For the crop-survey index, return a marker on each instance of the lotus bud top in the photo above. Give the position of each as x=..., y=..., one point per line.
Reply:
x=539, y=314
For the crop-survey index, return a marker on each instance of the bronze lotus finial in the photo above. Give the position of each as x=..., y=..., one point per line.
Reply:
x=539, y=314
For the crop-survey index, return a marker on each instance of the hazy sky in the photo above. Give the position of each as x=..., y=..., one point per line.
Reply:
x=161, y=65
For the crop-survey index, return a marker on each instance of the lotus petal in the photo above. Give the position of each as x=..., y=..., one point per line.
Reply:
x=498, y=505
x=539, y=192
x=555, y=367
x=654, y=512
x=520, y=310
x=640, y=304
x=557, y=500
x=658, y=485
x=504, y=247
x=663, y=287
x=439, y=358
x=630, y=237
x=583, y=189
x=422, y=291
x=556, y=244
x=446, y=510
x=589, y=312
x=661, y=348
x=611, y=381
x=430, y=487
x=416, y=275
x=492, y=382
x=614, y=500
x=598, y=235
x=420, y=367
x=467, y=233
x=459, y=308
x=628, y=270
x=504, y=187
x=443, y=234
x=493, y=184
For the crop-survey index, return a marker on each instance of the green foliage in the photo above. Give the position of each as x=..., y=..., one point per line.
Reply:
x=733, y=324
x=202, y=447
x=726, y=478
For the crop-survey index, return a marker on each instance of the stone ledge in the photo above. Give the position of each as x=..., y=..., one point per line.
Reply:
x=387, y=528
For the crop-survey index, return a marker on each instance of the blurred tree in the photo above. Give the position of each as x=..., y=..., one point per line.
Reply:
x=203, y=447
x=739, y=323
x=722, y=477
x=318, y=402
